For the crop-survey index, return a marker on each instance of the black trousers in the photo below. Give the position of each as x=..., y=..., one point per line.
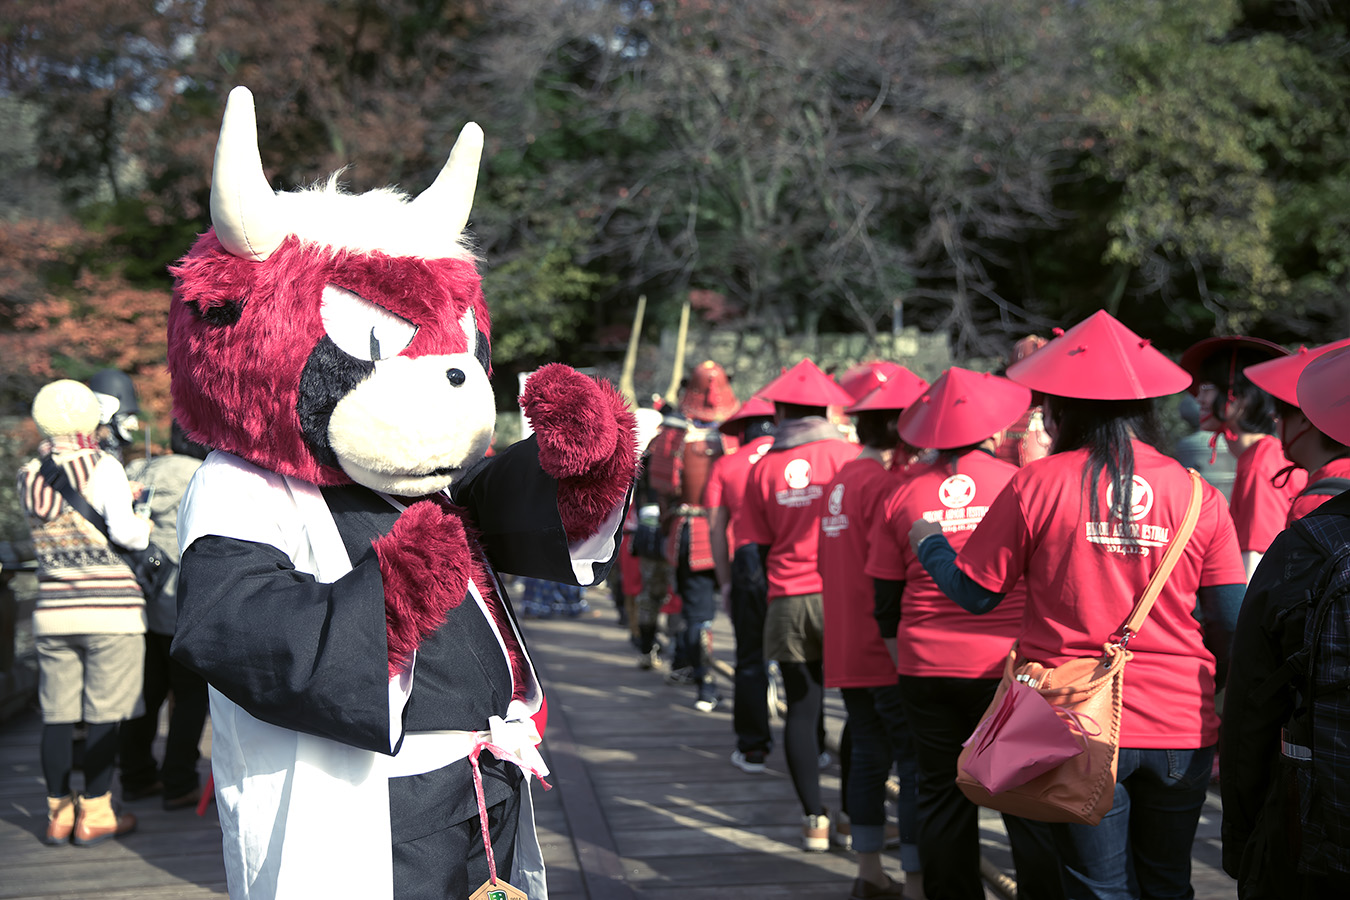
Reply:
x=451, y=862
x=942, y=712
x=187, y=718
x=749, y=605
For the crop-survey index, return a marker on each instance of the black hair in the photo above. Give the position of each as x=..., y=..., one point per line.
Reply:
x=179, y=442
x=878, y=428
x=1104, y=428
x=756, y=427
x=1329, y=443
x=797, y=410
x=947, y=458
x=1223, y=369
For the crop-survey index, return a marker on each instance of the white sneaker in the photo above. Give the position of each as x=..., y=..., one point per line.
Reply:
x=841, y=832
x=752, y=762
x=816, y=833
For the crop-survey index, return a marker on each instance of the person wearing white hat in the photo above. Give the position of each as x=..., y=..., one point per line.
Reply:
x=89, y=621
x=1086, y=528
x=1285, y=780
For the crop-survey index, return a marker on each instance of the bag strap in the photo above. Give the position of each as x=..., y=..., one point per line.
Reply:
x=55, y=476
x=1169, y=561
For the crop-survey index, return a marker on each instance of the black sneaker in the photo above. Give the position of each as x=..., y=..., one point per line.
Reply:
x=682, y=675
x=132, y=794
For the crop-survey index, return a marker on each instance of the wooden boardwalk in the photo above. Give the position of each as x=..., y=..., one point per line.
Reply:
x=645, y=803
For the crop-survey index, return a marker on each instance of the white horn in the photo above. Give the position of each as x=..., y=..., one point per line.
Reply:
x=244, y=208
x=451, y=195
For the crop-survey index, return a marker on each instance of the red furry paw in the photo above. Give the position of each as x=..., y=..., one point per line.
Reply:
x=573, y=418
x=426, y=564
x=587, y=440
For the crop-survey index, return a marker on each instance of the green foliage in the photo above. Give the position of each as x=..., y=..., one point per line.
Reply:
x=539, y=297
x=1197, y=123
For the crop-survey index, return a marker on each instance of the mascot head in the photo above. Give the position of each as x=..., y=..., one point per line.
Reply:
x=329, y=336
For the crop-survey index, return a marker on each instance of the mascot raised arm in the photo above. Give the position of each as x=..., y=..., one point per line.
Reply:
x=374, y=709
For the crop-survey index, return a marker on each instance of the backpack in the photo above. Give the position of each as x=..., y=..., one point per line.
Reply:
x=1326, y=487
x=1315, y=742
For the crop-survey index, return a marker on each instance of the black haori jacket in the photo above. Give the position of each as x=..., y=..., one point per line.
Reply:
x=321, y=761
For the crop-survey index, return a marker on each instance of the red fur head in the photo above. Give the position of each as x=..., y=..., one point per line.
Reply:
x=327, y=354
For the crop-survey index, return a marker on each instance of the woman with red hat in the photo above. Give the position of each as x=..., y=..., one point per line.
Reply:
x=1306, y=446
x=949, y=660
x=740, y=578
x=1231, y=406
x=856, y=660
x=1284, y=779
x=783, y=502
x=1085, y=528
x=1025, y=440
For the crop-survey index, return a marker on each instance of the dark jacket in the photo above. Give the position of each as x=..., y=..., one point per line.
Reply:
x=1259, y=834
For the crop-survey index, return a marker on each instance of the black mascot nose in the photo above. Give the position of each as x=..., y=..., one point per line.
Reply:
x=456, y=376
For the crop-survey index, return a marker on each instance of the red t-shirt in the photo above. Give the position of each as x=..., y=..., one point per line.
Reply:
x=726, y=483
x=1306, y=503
x=854, y=653
x=1261, y=510
x=783, y=499
x=937, y=638
x=1083, y=578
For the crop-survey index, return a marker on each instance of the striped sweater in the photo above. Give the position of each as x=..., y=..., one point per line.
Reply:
x=84, y=587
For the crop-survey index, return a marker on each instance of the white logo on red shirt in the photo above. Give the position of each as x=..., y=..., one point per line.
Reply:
x=1141, y=501
x=957, y=491
x=836, y=500
x=797, y=474
x=1128, y=535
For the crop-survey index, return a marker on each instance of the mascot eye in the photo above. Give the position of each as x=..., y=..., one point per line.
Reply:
x=360, y=328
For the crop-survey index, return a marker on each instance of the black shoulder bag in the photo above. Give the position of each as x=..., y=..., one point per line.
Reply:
x=152, y=568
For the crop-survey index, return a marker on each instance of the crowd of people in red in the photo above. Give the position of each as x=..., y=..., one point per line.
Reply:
x=896, y=539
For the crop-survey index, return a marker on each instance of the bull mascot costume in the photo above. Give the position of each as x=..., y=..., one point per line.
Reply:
x=374, y=709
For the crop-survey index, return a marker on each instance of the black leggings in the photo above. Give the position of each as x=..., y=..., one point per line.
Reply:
x=58, y=758
x=804, y=683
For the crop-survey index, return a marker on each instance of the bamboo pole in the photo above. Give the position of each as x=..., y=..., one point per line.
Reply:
x=677, y=372
x=626, y=387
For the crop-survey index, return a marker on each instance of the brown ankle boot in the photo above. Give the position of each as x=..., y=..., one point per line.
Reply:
x=60, y=819
x=95, y=821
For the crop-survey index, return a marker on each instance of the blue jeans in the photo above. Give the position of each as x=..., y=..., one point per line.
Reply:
x=1142, y=847
x=698, y=608
x=880, y=740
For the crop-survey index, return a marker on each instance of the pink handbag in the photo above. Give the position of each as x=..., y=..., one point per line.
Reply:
x=1024, y=737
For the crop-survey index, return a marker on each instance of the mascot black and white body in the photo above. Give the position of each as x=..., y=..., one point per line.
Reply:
x=338, y=587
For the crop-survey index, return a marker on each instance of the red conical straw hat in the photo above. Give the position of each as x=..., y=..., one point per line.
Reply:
x=1195, y=356
x=1279, y=377
x=1324, y=394
x=1100, y=359
x=805, y=385
x=755, y=407
x=901, y=388
x=963, y=408
x=865, y=378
